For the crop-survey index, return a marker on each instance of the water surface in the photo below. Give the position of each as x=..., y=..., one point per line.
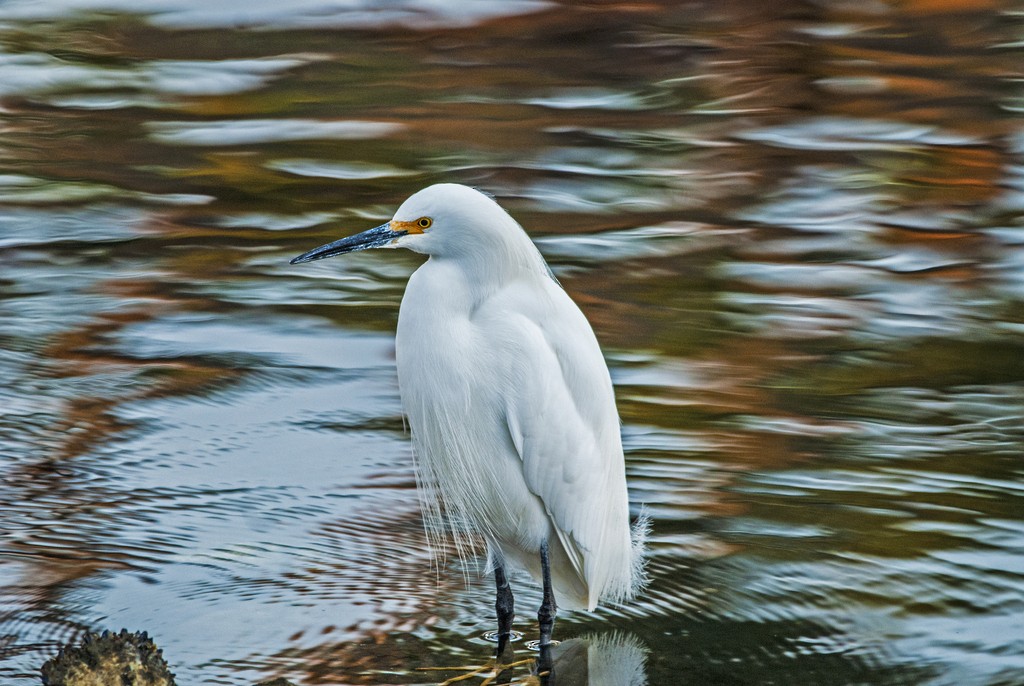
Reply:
x=798, y=232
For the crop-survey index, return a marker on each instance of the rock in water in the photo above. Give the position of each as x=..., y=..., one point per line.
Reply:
x=109, y=659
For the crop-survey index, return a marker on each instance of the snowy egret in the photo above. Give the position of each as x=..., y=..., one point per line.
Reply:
x=510, y=403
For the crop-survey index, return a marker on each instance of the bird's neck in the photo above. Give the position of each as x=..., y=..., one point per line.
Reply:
x=496, y=261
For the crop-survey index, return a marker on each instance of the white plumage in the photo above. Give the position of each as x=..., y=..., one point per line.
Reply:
x=508, y=397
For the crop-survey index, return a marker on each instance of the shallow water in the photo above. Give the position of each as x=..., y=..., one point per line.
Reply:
x=798, y=232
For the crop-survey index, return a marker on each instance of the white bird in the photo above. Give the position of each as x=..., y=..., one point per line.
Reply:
x=510, y=404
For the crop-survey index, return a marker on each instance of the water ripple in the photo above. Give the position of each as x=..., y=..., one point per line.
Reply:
x=252, y=131
x=265, y=14
x=75, y=84
x=837, y=133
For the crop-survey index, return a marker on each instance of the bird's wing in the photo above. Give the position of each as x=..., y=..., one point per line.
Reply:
x=563, y=423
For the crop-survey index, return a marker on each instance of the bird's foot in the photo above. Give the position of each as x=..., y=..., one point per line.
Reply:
x=490, y=671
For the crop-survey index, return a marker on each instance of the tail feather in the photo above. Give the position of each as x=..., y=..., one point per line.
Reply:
x=581, y=590
x=638, y=534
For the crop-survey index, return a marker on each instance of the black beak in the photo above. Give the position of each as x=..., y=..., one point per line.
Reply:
x=372, y=238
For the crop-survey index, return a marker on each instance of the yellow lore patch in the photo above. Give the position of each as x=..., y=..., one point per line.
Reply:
x=418, y=226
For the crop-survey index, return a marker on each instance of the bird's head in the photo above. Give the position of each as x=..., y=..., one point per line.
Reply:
x=443, y=219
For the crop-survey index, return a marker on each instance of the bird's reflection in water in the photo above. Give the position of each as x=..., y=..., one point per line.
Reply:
x=593, y=660
x=613, y=658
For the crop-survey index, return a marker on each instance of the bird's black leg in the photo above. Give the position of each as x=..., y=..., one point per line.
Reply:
x=546, y=613
x=505, y=606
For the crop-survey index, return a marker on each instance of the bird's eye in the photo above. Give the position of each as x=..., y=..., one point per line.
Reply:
x=424, y=222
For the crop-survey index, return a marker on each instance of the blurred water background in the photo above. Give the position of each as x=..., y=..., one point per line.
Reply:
x=798, y=230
